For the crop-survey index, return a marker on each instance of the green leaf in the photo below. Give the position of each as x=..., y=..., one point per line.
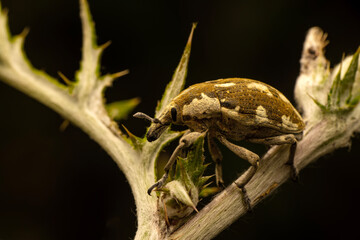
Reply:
x=321, y=106
x=333, y=96
x=355, y=100
x=206, y=192
x=135, y=141
x=190, y=170
x=172, y=90
x=203, y=180
x=120, y=110
x=179, y=192
x=195, y=160
x=178, y=80
x=340, y=97
x=349, y=79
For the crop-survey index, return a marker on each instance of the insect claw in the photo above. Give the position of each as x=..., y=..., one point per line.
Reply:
x=149, y=191
x=246, y=200
x=294, y=174
x=248, y=205
x=152, y=187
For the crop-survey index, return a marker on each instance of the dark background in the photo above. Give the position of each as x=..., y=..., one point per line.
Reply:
x=62, y=185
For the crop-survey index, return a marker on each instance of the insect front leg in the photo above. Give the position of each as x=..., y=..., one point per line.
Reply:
x=217, y=158
x=252, y=158
x=280, y=140
x=185, y=141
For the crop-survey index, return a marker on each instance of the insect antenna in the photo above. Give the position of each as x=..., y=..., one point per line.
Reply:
x=147, y=117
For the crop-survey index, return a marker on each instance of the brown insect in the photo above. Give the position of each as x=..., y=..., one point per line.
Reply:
x=230, y=109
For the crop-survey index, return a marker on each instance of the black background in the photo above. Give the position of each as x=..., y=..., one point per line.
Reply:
x=62, y=185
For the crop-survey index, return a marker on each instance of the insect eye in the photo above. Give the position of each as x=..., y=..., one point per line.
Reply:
x=173, y=114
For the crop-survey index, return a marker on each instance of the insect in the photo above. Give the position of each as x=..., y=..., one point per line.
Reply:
x=230, y=109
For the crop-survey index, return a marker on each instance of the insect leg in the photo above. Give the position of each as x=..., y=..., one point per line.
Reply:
x=243, y=153
x=279, y=140
x=252, y=158
x=217, y=158
x=185, y=141
x=167, y=168
x=294, y=171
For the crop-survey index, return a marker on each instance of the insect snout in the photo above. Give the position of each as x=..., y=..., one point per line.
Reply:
x=156, y=129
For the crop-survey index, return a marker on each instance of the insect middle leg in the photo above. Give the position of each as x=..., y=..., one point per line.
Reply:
x=252, y=158
x=217, y=158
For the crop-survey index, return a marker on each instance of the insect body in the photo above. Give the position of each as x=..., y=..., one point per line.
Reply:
x=230, y=109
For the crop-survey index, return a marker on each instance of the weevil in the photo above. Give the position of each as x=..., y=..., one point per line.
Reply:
x=230, y=109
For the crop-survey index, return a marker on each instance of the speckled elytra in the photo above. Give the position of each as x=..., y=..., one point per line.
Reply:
x=230, y=109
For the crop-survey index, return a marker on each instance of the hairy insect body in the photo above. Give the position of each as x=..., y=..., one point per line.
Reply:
x=235, y=109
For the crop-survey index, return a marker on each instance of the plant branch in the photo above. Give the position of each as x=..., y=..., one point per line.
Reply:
x=81, y=103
